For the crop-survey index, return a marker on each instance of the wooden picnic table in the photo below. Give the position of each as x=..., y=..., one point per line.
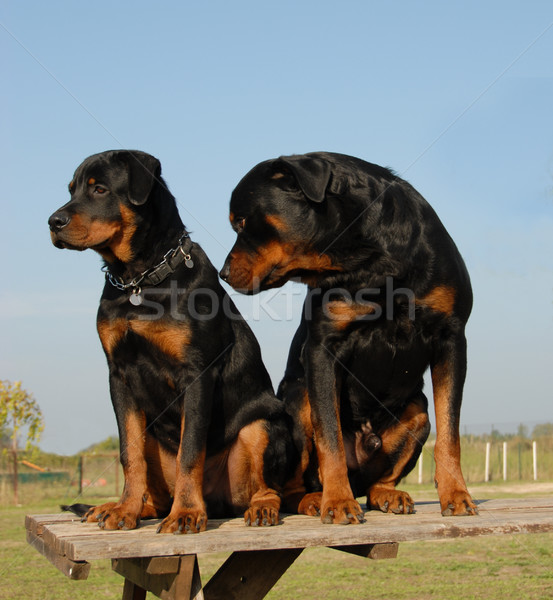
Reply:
x=167, y=565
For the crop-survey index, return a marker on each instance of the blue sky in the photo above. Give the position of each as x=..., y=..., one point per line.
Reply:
x=456, y=97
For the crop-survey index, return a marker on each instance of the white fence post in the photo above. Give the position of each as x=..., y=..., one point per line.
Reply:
x=487, y=469
x=504, y=461
x=535, y=459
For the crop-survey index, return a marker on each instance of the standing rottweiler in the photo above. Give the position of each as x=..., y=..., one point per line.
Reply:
x=200, y=428
x=389, y=296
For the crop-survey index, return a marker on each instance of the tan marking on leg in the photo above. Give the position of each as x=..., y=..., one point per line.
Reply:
x=264, y=502
x=294, y=489
x=452, y=489
x=338, y=504
x=401, y=436
x=125, y=514
x=188, y=513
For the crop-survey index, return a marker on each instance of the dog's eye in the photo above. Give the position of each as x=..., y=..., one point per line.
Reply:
x=239, y=224
x=100, y=190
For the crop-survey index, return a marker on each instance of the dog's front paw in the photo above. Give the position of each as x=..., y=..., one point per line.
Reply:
x=260, y=514
x=341, y=512
x=388, y=499
x=311, y=504
x=184, y=521
x=112, y=515
x=457, y=503
x=263, y=510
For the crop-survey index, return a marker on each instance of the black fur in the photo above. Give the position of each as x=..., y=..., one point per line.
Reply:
x=183, y=355
x=389, y=296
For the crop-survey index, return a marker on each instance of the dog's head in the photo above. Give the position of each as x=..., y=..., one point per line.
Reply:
x=276, y=211
x=106, y=191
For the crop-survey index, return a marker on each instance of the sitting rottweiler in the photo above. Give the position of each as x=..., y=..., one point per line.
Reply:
x=200, y=428
x=389, y=296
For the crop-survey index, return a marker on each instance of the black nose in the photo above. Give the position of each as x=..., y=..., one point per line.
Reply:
x=224, y=273
x=58, y=221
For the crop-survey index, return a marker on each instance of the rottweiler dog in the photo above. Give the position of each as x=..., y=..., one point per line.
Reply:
x=388, y=296
x=201, y=430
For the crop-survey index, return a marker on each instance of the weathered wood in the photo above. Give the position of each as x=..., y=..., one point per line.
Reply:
x=35, y=526
x=73, y=570
x=171, y=581
x=131, y=591
x=85, y=541
x=249, y=575
x=372, y=551
x=167, y=565
x=162, y=565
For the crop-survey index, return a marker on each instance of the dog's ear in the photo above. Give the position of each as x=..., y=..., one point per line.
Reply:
x=143, y=170
x=311, y=173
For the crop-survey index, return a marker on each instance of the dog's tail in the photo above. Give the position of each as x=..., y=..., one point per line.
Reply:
x=78, y=509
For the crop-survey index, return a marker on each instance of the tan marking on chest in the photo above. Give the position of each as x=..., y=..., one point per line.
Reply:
x=343, y=313
x=168, y=337
x=111, y=333
x=440, y=299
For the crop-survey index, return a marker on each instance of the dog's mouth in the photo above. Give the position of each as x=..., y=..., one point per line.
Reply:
x=69, y=243
x=274, y=265
x=60, y=242
x=275, y=278
x=63, y=245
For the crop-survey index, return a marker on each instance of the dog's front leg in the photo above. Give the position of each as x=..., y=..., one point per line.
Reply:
x=125, y=514
x=448, y=376
x=338, y=504
x=188, y=513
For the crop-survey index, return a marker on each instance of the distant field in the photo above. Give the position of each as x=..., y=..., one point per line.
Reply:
x=496, y=567
x=101, y=472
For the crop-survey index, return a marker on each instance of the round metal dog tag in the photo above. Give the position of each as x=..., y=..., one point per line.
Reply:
x=189, y=263
x=136, y=298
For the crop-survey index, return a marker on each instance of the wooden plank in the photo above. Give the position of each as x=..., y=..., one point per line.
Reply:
x=169, y=583
x=85, y=541
x=502, y=504
x=35, y=523
x=249, y=575
x=515, y=504
x=298, y=534
x=73, y=570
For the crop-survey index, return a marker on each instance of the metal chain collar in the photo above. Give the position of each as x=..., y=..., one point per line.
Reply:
x=118, y=283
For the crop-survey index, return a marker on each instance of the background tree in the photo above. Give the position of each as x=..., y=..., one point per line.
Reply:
x=543, y=430
x=522, y=431
x=18, y=409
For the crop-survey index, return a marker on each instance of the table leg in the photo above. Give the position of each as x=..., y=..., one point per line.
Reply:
x=131, y=591
x=168, y=578
x=373, y=551
x=249, y=575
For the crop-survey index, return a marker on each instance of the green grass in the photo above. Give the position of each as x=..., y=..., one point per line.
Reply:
x=495, y=567
x=26, y=574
